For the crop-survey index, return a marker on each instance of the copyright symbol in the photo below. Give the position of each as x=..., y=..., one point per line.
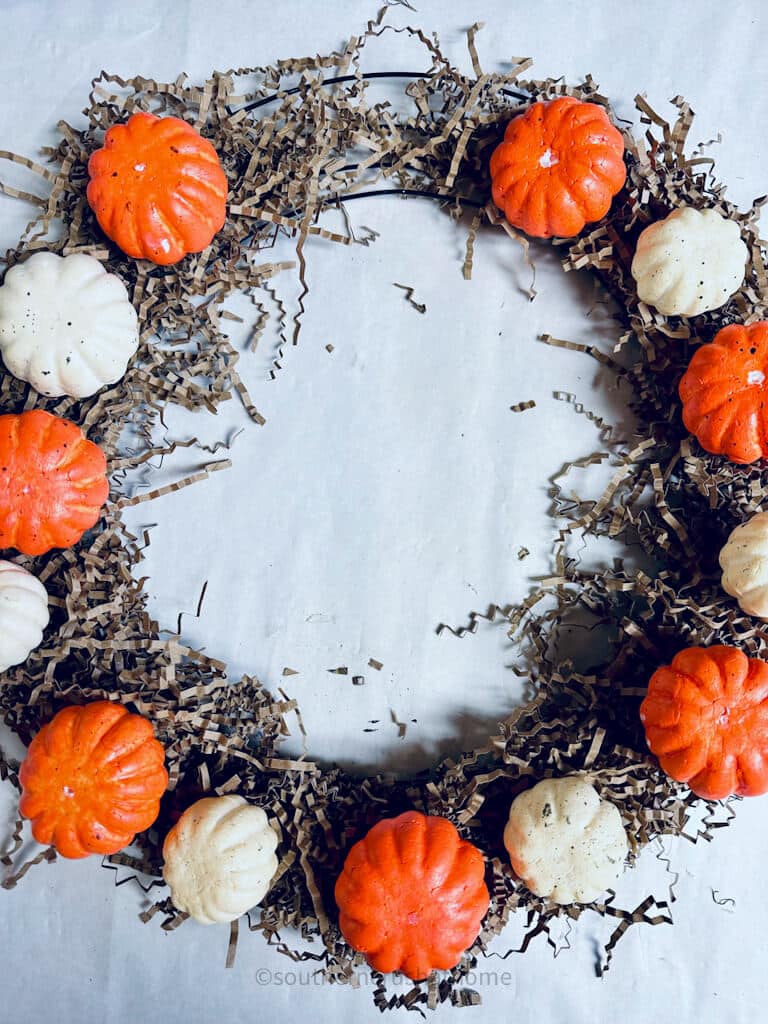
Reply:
x=263, y=976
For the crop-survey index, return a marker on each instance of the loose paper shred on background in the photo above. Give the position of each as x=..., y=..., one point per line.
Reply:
x=418, y=306
x=522, y=406
x=673, y=502
x=727, y=902
x=402, y=727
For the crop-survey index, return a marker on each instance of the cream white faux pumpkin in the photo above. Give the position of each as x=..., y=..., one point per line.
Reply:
x=219, y=858
x=564, y=842
x=744, y=561
x=690, y=262
x=23, y=614
x=67, y=327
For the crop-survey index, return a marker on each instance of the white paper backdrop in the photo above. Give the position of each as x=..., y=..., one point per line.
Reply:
x=390, y=490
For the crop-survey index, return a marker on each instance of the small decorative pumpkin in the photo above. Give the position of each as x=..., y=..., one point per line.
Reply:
x=564, y=842
x=412, y=895
x=53, y=482
x=219, y=858
x=744, y=561
x=689, y=263
x=67, y=327
x=23, y=614
x=706, y=719
x=92, y=778
x=558, y=168
x=725, y=396
x=157, y=188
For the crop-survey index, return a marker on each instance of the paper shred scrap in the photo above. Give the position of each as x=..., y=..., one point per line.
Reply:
x=289, y=672
x=522, y=406
x=178, y=485
x=522, y=553
x=726, y=901
x=198, y=610
x=378, y=665
x=46, y=856
x=418, y=306
x=496, y=218
x=15, y=841
x=358, y=680
x=469, y=256
x=232, y=944
x=342, y=670
x=471, y=33
x=475, y=618
x=402, y=727
x=329, y=348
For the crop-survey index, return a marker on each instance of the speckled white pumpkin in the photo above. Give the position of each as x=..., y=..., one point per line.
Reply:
x=564, y=842
x=744, y=561
x=219, y=858
x=23, y=614
x=690, y=262
x=67, y=327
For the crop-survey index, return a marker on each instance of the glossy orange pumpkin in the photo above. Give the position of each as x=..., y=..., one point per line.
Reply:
x=706, y=719
x=53, y=482
x=558, y=168
x=412, y=895
x=157, y=188
x=92, y=778
x=724, y=393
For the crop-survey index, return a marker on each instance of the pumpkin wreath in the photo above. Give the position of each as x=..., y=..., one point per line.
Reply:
x=674, y=497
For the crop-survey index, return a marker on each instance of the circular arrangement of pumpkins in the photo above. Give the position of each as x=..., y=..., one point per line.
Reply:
x=412, y=894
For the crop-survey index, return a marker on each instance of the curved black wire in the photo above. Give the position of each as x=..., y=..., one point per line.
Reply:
x=423, y=194
x=335, y=81
x=369, y=76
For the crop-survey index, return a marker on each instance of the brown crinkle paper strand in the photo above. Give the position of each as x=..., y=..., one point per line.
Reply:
x=295, y=139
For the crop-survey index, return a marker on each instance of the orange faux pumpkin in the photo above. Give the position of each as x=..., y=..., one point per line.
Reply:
x=706, y=719
x=157, y=188
x=92, y=778
x=725, y=395
x=558, y=168
x=412, y=895
x=52, y=482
